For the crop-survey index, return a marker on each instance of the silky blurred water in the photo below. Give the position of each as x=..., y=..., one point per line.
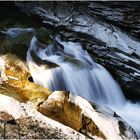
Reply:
x=77, y=72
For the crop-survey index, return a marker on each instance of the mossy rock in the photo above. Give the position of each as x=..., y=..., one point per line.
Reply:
x=43, y=36
x=20, y=44
x=8, y=23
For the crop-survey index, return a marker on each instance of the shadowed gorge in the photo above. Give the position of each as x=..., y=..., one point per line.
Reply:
x=69, y=70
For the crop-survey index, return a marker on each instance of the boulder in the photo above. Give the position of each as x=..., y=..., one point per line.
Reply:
x=17, y=84
x=27, y=123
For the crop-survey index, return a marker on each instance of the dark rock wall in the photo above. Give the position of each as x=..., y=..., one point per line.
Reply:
x=82, y=21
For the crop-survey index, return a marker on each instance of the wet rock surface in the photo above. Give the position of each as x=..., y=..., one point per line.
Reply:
x=92, y=23
x=122, y=14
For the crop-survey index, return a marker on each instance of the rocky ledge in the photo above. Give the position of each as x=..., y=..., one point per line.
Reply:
x=112, y=38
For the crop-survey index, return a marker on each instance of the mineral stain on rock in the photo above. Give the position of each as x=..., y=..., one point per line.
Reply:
x=18, y=86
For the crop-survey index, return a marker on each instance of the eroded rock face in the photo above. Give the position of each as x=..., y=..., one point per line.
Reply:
x=96, y=27
x=122, y=14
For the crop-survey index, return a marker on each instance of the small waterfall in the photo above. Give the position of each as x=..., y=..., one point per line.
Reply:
x=66, y=66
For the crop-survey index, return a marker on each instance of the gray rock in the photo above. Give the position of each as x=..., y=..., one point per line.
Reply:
x=110, y=32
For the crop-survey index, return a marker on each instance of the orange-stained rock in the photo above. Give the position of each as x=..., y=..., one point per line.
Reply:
x=18, y=86
x=60, y=108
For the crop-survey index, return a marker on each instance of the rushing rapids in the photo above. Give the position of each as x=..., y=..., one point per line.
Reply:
x=66, y=66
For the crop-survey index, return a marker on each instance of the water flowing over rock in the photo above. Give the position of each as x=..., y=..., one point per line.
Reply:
x=19, y=99
x=109, y=36
x=14, y=32
x=62, y=46
x=87, y=78
x=77, y=72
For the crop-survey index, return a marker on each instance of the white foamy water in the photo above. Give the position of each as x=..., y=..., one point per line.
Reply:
x=77, y=72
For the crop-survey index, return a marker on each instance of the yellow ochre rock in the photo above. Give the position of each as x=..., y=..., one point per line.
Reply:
x=17, y=84
x=59, y=107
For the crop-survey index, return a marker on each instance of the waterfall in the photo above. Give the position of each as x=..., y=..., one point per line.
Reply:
x=66, y=66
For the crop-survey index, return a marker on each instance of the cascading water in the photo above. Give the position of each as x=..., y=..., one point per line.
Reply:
x=74, y=70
